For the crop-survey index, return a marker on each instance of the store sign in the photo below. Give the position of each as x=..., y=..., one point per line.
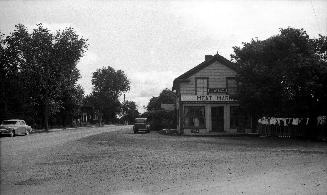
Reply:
x=206, y=98
x=217, y=90
x=168, y=107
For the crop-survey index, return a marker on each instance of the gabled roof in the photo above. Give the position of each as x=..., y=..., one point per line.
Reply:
x=204, y=64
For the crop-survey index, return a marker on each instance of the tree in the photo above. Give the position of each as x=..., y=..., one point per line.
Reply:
x=12, y=92
x=158, y=117
x=283, y=75
x=108, y=85
x=129, y=111
x=3, y=80
x=45, y=65
x=166, y=97
x=72, y=101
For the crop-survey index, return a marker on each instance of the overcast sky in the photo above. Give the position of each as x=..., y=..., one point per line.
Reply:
x=153, y=42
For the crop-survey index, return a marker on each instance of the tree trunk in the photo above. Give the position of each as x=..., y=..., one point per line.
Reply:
x=63, y=115
x=100, y=119
x=312, y=127
x=46, y=116
x=4, y=101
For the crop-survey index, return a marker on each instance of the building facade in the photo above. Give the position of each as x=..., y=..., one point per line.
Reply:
x=205, y=99
x=87, y=115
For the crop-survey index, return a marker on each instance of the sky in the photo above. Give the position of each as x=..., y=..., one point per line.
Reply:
x=154, y=42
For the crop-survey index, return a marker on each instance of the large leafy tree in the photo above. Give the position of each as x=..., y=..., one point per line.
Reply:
x=45, y=66
x=108, y=85
x=166, y=96
x=158, y=117
x=283, y=75
x=129, y=111
x=72, y=101
x=11, y=60
x=9, y=84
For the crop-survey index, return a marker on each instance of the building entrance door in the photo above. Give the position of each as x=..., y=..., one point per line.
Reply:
x=217, y=119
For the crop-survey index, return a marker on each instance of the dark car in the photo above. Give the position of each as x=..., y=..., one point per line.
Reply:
x=141, y=124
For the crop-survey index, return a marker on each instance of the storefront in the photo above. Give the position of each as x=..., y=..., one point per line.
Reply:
x=205, y=102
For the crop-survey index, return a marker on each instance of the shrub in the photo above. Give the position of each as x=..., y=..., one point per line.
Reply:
x=161, y=119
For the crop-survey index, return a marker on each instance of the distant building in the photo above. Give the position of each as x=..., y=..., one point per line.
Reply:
x=206, y=100
x=88, y=115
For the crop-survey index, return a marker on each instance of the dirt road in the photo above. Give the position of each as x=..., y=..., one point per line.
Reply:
x=20, y=153
x=113, y=160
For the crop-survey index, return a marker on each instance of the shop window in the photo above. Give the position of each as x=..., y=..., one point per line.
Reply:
x=239, y=119
x=231, y=85
x=194, y=115
x=201, y=86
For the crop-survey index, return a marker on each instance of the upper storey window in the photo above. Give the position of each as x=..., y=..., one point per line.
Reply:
x=231, y=85
x=201, y=85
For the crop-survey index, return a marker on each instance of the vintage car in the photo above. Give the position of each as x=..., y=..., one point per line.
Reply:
x=14, y=127
x=141, y=124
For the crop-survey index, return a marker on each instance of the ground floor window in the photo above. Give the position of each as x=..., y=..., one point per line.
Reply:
x=194, y=117
x=239, y=118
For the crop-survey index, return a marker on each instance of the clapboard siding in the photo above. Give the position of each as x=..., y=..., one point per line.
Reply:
x=217, y=74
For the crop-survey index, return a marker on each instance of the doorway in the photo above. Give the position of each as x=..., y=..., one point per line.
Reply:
x=217, y=119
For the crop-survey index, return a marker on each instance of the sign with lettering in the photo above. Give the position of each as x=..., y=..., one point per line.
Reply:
x=217, y=90
x=207, y=98
x=168, y=107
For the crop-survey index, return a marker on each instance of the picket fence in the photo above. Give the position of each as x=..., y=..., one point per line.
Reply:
x=292, y=131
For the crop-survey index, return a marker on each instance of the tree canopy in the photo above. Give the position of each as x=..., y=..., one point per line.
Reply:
x=158, y=117
x=108, y=85
x=41, y=68
x=283, y=75
x=129, y=111
x=166, y=96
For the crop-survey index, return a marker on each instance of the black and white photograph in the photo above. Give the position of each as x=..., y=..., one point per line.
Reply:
x=142, y=97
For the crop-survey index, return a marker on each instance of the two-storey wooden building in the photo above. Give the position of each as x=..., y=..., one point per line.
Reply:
x=205, y=100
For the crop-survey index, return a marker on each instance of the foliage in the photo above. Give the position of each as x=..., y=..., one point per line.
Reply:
x=283, y=75
x=72, y=101
x=10, y=102
x=129, y=111
x=166, y=97
x=108, y=85
x=40, y=68
x=159, y=118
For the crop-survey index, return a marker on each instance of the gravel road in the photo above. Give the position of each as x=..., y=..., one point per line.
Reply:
x=113, y=160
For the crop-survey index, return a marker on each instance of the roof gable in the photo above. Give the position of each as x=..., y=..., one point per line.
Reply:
x=203, y=65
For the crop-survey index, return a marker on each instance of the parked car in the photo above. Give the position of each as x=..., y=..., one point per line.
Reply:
x=141, y=124
x=14, y=127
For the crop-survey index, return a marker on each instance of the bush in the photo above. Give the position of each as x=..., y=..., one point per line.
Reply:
x=161, y=119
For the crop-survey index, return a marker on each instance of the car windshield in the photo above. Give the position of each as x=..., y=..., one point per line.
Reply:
x=9, y=122
x=140, y=120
